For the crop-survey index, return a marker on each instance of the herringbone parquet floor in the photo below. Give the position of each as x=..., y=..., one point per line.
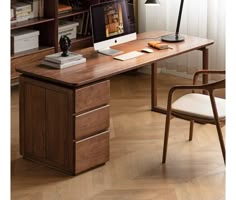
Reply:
x=194, y=170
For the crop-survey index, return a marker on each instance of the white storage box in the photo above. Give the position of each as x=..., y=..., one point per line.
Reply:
x=67, y=28
x=24, y=39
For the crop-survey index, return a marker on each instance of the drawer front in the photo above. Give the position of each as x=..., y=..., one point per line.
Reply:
x=91, y=152
x=92, y=96
x=92, y=122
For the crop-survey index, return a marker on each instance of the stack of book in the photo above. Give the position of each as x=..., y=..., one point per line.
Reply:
x=37, y=7
x=59, y=62
x=13, y=19
x=84, y=27
x=26, y=9
x=22, y=11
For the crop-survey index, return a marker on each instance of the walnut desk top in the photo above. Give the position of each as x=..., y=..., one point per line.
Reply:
x=100, y=67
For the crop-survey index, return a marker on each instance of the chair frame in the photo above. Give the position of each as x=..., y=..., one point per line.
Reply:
x=209, y=88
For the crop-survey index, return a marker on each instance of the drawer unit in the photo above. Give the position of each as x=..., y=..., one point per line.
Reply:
x=92, y=96
x=91, y=122
x=53, y=134
x=92, y=151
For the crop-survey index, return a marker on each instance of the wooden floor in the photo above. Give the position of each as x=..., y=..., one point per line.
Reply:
x=194, y=170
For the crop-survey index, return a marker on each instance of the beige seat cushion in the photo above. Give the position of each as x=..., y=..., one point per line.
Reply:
x=199, y=105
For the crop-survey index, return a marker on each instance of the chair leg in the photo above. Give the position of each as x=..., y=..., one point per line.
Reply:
x=191, y=130
x=167, y=128
x=222, y=145
x=220, y=136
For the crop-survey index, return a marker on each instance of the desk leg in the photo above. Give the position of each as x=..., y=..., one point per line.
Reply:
x=204, y=64
x=155, y=108
x=154, y=85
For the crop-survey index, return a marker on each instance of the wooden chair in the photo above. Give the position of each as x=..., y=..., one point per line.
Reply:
x=196, y=107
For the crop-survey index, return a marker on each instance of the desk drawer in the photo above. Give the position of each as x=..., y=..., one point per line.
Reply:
x=92, y=96
x=91, y=152
x=92, y=122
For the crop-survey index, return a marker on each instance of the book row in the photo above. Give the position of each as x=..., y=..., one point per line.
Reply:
x=27, y=9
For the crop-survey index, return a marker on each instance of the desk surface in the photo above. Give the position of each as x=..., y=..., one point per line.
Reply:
x=99, y=66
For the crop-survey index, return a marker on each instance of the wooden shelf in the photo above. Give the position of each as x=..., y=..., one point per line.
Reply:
x=70, y=14
x=32, y=51
x=81, y=38
x=80, y=42
x=30, y=22
x=48, y=38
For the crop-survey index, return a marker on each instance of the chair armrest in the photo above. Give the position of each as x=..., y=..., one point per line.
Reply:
x=205, y=72
x=210, y=87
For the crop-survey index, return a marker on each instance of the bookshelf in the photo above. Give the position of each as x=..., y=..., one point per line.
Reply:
x=48, y=25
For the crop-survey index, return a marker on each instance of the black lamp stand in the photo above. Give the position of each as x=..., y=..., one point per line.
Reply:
x=175, y=37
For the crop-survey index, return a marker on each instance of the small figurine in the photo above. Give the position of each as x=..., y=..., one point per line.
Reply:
x=65, y=44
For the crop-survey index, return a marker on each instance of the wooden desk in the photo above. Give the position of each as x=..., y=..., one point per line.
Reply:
x=64, y=114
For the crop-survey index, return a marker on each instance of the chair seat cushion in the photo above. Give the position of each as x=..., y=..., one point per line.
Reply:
x=199, y=105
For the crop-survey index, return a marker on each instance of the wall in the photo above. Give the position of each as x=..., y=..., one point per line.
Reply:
x=203, y=18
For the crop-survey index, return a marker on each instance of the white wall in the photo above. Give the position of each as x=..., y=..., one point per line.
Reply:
x=202, y=18
x=151, y=18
